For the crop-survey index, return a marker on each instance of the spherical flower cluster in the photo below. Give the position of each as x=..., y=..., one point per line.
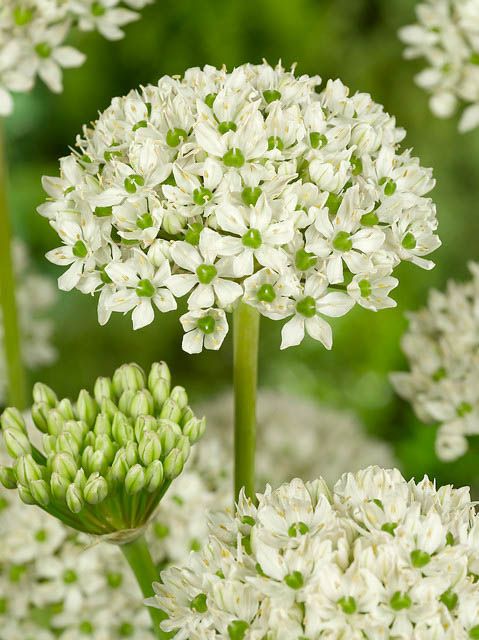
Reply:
x=33, y=33
x=376, y=558
x=446, y=35
x=35, y=296
x=107, y=459
x=252, y=185
x=442, y=347
x=295, y=437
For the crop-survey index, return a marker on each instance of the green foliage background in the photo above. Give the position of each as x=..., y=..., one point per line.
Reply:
x=352, y=39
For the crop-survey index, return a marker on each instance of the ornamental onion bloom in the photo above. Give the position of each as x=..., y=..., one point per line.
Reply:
x=442, y=345
x=295, y=436
x=253, y=185
x=33, y=35
x=446, y=35
x=376, y=557
x=35, y=296
x=106, y=460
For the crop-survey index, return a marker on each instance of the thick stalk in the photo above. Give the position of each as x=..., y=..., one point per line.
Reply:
x=246, y=338
x=138, y=557
x=16, y=388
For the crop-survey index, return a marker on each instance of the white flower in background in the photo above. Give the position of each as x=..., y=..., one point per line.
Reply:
x=446, y=36
x=284, y=452
x=254, y=185
x=35, y=296
x=375, y=557
x=442, y=347
x=33, y=35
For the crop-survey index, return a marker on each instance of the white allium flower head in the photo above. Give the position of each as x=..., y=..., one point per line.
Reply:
x=375, y=557
x=442, y=347
x=295, y=436
x=35, y=296
x=33, y=35
x=253, y=185
x=446, y=35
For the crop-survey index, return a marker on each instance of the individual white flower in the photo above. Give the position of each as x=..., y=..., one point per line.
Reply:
x=230, y=174
x=312, y=562
x=446, y=36
x=442, y=348
x=204, y=328
x=35, y=295
x=284, y=452
x=33, y=35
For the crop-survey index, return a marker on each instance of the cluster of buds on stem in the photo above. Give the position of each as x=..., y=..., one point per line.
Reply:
x=106, y=459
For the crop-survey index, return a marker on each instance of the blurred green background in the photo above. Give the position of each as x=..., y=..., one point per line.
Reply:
x=352, y=39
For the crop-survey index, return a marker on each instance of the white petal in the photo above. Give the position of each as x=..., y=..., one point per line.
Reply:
x=180, y=284
x=292, y=333
x=335, y=304
x=193, y=341
x=143, y=314
x=227, y=291
x=186, y=256
x=202, y=297
x=469, y=119
x=320, y=330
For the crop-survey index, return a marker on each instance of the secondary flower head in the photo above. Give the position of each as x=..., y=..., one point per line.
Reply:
x=35, y=295
x=106, y=460
x=376, y=557
x=253, y=185
x=442, y=346
x=295, y=436
x=33, y=35
x=446, y=35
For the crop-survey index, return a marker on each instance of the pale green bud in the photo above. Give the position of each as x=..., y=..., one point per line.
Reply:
x=65, y=407
x=180, y=397
x=103, y=390
x=27, y=470
x=142, y=404
x=109, y=408
x=98, y=462
x=169, y=433
x=25, y=494
x=154, y=476
x=64, y=464
x=194, y=429
x=96, y=489
x=121, y=430
x=42, y=393
x=184, y=446
x=39, y=416
x=49, y=443
x=173, y=224
x=159, y=371
x=86, y=458
x=67, y=443
x=171, y=411
x=59, y=485
x=120, y=467
x=8, y=478
x=128, y=376
x=149, y=448
x=102, y=425
x=80, y=479
x=173, y=464
x=160, y=392
x=74, y=499
x=40, y=492
x=55, y=422
x=131, y=451
x=104, y=444
x=13, y=419
x=186, y=416
x=125, y=401
x=87, y=408
x=135, y=479
x=78, y=430
x=144, y=423
x=89, y=439
x=16, y=443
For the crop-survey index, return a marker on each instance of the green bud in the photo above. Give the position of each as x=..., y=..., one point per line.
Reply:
x=171, y=411
x=87, y=408
x=128, y=376
x=65, y=408
x=173, y=464
x=39, y=416
x=40, y=492
x=169, y=433
x=59, y=486
x=183, y=444
x=96, y=489
x=42, y=393
x=16, y=443
x=174, y=224
x=103, y=390
x=98, y=463
x=186, y=416
x=194, y=429
x=131, y=452
x=55, y=422
x=49, y=444
x=179, y=396
x=106, y=446
x=74, y=499
x=68, y=443
x=78, y=429
x=125, y=401
x=13, y=419
x=144, y=424
x=120, y=467
x=142, y=404
x=109, y=408
x=158, y=371
x=8, y=478
x=149, y=448
x=135, y=479
x=89, y=440
x=27, y=470
x=121, y=430
x=154, y=476
x=161, y=392
x=80, y=479
x=102, y=425
x=26, y=495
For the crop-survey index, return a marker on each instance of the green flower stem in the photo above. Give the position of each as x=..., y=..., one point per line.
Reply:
x=11, y=331
x=246, y=338
x=138, y=557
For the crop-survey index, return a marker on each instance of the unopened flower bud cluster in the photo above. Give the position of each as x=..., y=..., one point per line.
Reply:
x=33, y=35
x=376, y=557
x=446, y=36
x=35, y=295
x=107, y=459
x=254, y=185
x=442, y=348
